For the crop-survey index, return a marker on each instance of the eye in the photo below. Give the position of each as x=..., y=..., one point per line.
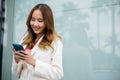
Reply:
x=32, y=19
x=40, y=20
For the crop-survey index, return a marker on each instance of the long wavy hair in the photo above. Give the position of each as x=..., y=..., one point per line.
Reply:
x=49, y=34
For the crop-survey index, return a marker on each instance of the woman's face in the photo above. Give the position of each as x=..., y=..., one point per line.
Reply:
x=37, y=22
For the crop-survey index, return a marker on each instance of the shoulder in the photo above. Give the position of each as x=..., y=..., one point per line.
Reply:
x=57, y=42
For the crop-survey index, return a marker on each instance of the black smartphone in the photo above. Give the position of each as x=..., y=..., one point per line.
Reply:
x=18, y=47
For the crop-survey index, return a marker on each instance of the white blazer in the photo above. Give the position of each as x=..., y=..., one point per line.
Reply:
x=48, y=65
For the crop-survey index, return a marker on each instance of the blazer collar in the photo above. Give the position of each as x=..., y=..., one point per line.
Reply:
x=36, y=45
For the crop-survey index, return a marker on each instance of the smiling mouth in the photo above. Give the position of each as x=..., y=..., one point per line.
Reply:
x=36, y=29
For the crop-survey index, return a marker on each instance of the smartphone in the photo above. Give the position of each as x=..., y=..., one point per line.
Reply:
x=17, y=47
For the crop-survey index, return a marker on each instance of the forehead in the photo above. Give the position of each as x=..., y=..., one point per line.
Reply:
x=37, y=14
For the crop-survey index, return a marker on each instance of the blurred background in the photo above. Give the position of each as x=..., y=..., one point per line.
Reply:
x=90, y=30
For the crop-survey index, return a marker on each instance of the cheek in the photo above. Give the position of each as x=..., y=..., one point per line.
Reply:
x=42, y=25
x=31, y=23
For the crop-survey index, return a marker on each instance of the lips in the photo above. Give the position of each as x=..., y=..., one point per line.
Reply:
x=35, y=28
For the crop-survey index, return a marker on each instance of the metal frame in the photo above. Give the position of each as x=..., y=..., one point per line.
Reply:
x=2, y=18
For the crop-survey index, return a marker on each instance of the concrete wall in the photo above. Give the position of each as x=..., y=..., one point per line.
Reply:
x=90, y=30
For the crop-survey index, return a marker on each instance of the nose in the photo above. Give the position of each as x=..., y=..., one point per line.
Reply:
x=36, y=23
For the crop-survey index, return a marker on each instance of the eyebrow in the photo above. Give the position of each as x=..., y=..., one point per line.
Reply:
x=37, y=18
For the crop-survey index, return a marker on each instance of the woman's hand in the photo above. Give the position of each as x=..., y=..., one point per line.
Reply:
x=27, y=57
x=15, y=56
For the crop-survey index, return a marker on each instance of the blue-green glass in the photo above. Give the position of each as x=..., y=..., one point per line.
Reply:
x=90, y=30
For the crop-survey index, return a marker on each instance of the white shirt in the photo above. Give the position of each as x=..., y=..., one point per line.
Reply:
x=48, y=65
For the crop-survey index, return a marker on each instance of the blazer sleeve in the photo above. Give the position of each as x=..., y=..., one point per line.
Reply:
x=16, y=68
x=53, y=71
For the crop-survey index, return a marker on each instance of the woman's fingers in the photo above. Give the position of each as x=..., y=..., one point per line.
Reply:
x=23, y=52
x=25, y=57
x=21, y=57
x=19, y=54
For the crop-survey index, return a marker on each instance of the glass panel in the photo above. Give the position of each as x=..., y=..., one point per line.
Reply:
x=90, y=30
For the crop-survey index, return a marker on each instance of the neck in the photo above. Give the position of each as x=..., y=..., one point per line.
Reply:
x=38, y=36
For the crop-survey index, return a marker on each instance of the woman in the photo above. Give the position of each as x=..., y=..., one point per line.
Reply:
x=42, y=58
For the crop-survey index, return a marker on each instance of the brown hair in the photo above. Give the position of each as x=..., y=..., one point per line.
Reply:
x=50, y=33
